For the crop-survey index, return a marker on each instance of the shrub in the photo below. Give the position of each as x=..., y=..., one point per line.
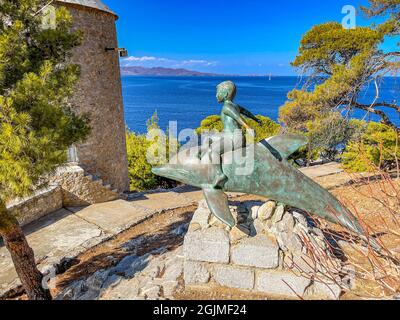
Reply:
x=374, y=146
x=138, y=145
x=140, y=175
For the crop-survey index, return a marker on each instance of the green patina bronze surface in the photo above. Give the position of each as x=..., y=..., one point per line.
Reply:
x=270, y=175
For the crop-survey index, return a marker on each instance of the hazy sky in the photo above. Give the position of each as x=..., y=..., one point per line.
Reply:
x=236, y=36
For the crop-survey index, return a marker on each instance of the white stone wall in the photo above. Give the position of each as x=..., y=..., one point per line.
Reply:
x=266, y=253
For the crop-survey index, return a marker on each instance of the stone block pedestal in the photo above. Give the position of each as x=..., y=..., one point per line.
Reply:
x=272, y=251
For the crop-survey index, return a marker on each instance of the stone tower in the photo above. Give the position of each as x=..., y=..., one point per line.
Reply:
x=99, y=93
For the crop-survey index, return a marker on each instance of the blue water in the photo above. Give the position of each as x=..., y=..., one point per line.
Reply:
x=188, y=100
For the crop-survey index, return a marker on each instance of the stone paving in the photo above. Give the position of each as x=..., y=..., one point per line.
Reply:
x=322, y=170
x=154, y=276
x=71, y=231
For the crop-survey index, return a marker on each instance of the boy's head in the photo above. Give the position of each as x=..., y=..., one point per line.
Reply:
x=226, y=91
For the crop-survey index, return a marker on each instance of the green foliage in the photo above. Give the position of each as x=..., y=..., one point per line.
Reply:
x=304, y=106
x=374, y=146
x=144, y=153
x=141, y=177
x=328, y=45
x=346, y=60
x=36, y=124
x=266, y=129
x=340, y=63
x=211, y=123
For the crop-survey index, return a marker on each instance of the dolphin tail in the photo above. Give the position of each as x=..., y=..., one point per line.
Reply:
x=217, y=201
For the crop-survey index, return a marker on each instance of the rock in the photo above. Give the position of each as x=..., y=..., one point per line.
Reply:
x=259, y=227
x=215, y=222
x=349, y=279
x=284, y=284
x=125, y=290
x=194, y=227
x=324, y=290
x=211, y=245
x=300, y=218
x=154, y=268
x=318, y=232
x=173, y=271
x=286, y=224
x=278, y=215
x=259, y=252
x=322, y=243
x=151, y=292
x=203, y=204
x=289, y=241
x=233, y=277
x=201, y=217
x=195, y=273
x=300, y=263
x=234, y=208
x=169, y=288
x=236, y=235
x=266, y=211
x=254, y=212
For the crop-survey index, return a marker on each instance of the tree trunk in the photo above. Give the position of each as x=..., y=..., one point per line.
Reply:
x=22, y=256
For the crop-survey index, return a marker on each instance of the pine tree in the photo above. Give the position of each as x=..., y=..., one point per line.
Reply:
x=341, y=63
x=36, y=123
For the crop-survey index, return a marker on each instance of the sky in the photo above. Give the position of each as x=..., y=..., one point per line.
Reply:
x=220, y=36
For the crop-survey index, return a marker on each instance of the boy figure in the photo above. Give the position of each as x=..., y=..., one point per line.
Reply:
x=233, y=120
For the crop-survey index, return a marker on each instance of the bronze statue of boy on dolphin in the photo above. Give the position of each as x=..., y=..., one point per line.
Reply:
x=271, y=175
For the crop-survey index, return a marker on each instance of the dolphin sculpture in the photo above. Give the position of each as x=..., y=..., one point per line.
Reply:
x=272, y=177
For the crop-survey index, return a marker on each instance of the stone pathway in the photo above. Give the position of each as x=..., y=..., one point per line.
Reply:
x=71, y=231
x=153, y=276
x=322, y=170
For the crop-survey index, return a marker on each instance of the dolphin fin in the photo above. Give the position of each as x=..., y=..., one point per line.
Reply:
x=286, y=145
x=217, y=201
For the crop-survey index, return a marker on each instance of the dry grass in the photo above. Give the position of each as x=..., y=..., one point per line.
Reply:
x=375, y=201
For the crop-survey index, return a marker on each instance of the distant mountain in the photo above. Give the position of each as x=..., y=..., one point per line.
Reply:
x=159, y=71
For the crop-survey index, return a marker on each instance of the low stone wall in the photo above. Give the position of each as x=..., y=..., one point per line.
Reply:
x=272, y=252
x=40, y=204
x=70, y=186
x=80, y=188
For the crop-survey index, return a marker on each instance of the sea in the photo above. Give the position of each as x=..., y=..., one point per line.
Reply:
x=188, y=100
